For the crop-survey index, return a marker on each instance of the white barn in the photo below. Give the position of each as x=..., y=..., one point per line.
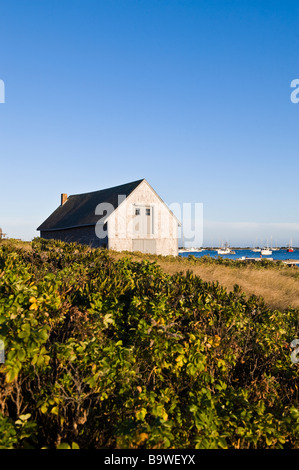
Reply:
x=129, y=217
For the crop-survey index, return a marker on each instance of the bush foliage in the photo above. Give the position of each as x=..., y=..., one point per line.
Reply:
x=118, y=354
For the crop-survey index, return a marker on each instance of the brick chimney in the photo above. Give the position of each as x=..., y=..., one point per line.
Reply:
x=63, y=198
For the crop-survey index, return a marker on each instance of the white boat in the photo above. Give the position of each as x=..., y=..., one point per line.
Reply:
x=188, y=250
x=266, y=251
x=225, y=250
x=274, y=248
x=256, y=248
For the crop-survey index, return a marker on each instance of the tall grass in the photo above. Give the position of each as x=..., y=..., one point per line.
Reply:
x=276, y=283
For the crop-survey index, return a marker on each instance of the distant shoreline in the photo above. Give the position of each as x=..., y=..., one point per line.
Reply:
x=235, y=248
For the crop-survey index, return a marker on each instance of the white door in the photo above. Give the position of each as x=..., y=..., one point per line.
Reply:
x=144, y=245
x=143, y=220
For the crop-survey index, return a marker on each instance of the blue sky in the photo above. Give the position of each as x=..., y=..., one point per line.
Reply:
x=193, y=95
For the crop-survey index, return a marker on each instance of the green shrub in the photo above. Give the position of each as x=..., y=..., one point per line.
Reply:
x=118, y=354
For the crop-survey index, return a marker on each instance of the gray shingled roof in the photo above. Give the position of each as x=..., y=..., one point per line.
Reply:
x=79, y=209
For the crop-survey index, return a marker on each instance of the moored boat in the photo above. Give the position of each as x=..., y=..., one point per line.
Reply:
x=266, y=251
x=225, y=250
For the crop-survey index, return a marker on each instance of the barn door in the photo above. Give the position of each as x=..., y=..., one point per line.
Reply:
x=144, y=245
x=143, y=222
x=149, y=246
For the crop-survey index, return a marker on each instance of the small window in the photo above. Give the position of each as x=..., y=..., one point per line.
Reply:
x=137, y=211
x=148, y=211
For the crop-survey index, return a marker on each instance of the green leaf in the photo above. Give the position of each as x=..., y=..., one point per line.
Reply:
x=55, y=410
x=64, y=445
x=44, y=408
x=12, y=374
x=140, y=414
x=21, y=354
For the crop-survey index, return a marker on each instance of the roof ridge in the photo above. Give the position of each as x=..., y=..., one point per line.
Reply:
x=106, y=189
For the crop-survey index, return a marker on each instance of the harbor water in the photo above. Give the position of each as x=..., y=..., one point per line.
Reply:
x=239, y=253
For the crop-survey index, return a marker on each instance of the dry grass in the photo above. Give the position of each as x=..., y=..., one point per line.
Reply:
x=278, y=287
x=17, y=244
